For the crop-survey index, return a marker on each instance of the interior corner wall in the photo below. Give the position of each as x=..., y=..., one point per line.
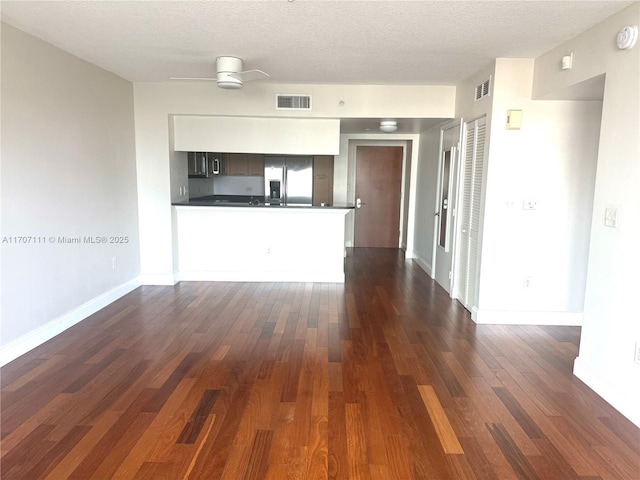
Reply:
x=467, y=107
x=534, y=261
x=611, y=326
x=68, y=181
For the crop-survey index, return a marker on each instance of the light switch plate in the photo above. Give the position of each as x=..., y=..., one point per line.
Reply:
x=611, y=217
x=514, y=119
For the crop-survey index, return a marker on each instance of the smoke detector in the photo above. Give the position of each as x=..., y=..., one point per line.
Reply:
x=627, y=37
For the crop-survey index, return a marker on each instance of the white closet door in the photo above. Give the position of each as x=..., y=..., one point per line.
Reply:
x=475, y=132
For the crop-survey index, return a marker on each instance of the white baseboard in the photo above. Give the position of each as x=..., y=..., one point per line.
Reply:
x=315, y=277
x=153, y=279
x=424, y=265
x=626, y=402
x=507, y=317
x=31, y=340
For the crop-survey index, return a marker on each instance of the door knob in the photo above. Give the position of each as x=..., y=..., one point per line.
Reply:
x=359, y=203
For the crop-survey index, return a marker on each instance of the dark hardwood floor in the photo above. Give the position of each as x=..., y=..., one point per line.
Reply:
x=381, y=378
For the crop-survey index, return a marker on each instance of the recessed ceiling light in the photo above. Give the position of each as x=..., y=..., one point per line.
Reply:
x=388, y=126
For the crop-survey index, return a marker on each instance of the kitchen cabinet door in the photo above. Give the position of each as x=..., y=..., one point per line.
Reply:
x=322, y=179
x=244, y=164
x=255, y=164
x=236, y=164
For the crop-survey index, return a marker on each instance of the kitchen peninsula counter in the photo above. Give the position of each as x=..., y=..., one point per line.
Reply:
x=212, y=201
x=220, y=241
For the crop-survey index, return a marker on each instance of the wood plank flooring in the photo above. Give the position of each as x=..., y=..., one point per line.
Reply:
x=384, y=377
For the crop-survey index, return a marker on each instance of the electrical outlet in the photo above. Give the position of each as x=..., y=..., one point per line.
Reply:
x=526, y=282
x=637, y=357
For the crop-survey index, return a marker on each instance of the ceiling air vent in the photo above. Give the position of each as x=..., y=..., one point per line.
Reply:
x=482, y=90
x=293, y=102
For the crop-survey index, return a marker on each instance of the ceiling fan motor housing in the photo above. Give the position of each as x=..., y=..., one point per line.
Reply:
x=225, y=66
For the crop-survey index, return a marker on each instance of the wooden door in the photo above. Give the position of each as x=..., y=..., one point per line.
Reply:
x=378, y=190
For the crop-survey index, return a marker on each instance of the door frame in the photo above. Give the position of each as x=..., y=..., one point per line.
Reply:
x=405, y=187
x=454, y=200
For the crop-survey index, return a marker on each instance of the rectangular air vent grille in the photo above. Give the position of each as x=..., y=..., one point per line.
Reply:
x=293, y=102
x=483, y=89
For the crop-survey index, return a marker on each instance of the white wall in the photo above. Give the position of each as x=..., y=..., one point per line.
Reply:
x=551, y=160
x=467, y=107
x=611, y=326
x=68, y=169
x=427, y=181
x=155, y=102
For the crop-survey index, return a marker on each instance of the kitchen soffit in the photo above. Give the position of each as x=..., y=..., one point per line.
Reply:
x=372, y=125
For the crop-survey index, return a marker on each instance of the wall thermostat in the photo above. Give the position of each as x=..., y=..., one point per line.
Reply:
x=627, y=37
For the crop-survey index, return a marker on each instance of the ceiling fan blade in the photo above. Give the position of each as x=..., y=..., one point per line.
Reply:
x=249, y=75
x=206, y=79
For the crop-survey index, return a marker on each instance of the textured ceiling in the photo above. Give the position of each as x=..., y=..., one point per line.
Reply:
x=307, y=41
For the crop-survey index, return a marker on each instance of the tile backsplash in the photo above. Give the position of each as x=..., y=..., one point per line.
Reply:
x=226, y=185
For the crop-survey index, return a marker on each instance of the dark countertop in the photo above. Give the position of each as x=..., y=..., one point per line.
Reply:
x=245, y=201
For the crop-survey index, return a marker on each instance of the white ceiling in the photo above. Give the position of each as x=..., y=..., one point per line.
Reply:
x=307, y=41
x=389, y=42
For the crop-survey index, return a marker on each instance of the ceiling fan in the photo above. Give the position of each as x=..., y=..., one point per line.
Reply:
x=229, y=74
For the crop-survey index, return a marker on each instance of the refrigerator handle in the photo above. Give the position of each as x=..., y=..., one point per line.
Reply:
x=284, y=185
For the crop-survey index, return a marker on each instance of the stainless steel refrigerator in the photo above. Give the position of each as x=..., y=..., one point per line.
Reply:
x=288, y=180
